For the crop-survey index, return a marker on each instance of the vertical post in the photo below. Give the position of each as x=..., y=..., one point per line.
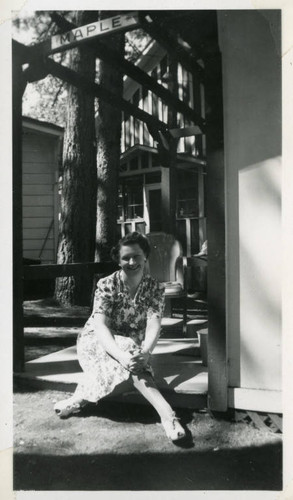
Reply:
x=217, y=362
x=201, y=208
x=17, y=93
x=169, y=175
x=169, y=192
x=188, y=236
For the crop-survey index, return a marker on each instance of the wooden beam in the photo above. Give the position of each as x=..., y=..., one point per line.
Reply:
x=169, y=175
x=66, y=74
x=150, y=83
x=50, y=271
x=97, y=90
x=20, y=52
x=184, y=132
x=109, y=55
x=175, y=49
x=215, y=204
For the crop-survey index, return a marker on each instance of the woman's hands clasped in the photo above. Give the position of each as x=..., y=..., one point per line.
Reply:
x=135, y=362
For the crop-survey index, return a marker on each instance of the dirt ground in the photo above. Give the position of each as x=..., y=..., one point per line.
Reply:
x=122, y=446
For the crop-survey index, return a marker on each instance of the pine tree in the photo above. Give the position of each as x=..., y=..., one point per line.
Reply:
x=79, y=181
x=108, y=128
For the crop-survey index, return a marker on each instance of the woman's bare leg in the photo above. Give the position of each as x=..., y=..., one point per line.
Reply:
x=145, y=384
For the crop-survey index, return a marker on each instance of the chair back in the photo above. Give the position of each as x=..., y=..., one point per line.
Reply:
x=165, y=260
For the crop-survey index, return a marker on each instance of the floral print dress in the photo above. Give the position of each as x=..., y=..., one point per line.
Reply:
x=128, y=320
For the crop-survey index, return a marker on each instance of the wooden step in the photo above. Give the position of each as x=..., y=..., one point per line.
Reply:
x=180, y=374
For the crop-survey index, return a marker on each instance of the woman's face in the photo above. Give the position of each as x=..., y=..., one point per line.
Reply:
x=132, y=260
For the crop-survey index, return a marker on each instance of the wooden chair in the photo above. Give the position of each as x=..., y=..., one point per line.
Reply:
x=167, y=263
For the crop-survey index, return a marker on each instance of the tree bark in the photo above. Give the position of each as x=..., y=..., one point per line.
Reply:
x=108, y=128
x=78, y=198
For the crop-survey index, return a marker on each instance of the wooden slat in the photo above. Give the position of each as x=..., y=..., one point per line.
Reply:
x=35, y=200
x=277, y=420
x=37, y=233
x=38, y=178
x=34, y=167
x=38, y=189
x=40, y=212
x=256, y=419
x=36, y=223
x=48, y=256
x=45, y=155
x=36, y=244
x=56, y=270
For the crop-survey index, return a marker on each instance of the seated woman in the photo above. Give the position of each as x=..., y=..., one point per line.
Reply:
x=120, y=335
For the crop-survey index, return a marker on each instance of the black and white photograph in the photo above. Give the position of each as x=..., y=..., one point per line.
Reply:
x=147, y=272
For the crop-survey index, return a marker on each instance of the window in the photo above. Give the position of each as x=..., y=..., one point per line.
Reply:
x=120, y=203
x=187, y=193
x=135, y=100
x=153, y=178
x=133, y=197
x=134, y=163
x=155, y=160
x=144, y=159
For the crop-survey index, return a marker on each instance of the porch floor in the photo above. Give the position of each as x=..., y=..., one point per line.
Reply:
x=179, y=371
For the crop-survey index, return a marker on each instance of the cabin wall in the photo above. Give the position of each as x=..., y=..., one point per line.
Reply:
x=250, y=46
x=40, y=195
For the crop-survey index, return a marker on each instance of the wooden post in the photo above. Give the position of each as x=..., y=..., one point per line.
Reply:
x=217, y=360
x=169, y=173
x=18, y=89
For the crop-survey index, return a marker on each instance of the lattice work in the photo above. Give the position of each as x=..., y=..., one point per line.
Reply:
x=267, y=421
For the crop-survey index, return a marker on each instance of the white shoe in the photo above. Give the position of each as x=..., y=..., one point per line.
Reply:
x=173, y=428
x=69, y=407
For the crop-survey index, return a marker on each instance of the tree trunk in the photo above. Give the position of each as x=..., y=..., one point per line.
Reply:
x=78, y=199
x=108, y=129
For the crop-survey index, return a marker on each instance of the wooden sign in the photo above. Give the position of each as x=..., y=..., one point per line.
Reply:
x=97, y=29
x=185, y=132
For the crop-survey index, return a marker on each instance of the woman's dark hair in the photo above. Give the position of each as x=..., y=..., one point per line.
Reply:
x=131, y=239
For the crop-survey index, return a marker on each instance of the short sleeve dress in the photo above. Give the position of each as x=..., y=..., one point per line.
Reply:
x=127, y=320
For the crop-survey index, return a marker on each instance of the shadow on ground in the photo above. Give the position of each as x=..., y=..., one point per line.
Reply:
x=243, y=469
x=117, y=446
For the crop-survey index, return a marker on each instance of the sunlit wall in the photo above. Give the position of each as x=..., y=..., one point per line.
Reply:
x=250, y=46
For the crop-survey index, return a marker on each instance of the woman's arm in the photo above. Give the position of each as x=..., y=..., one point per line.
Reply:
x=107, y=340
x=152, y=334
x=151, y=338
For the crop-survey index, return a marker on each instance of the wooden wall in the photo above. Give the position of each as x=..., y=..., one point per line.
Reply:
x=40, y=195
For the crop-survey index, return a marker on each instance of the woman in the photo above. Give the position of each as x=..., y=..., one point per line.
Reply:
x=120, y=335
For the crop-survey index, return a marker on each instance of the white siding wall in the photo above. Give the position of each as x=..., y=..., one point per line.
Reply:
x=252, y=121
x=39, y=195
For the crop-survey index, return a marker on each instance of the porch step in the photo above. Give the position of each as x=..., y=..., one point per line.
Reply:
x=172, y=328
x=180, y=374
